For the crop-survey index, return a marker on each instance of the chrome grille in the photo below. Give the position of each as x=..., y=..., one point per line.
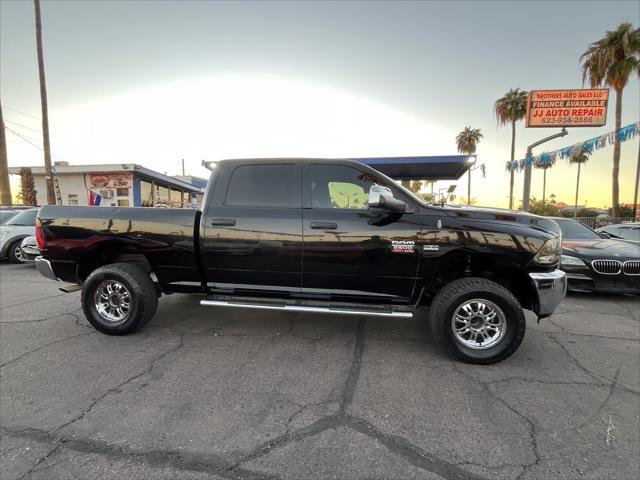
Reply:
x=631, y=267
x=607, y=267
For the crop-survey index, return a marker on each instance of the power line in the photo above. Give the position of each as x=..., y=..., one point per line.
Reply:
x=22, y=113
x=30, y=142
x=23, y=138
x=23, y=126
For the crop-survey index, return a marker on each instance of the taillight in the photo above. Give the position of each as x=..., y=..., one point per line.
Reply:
x=40, y=236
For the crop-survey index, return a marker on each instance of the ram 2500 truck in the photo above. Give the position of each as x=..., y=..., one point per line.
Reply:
x=313, y=235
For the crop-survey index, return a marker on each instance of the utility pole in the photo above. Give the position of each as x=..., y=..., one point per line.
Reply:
x=51, y=197
x=635, y=192
x=5, y=186
x=526, y=191
x=183, y=167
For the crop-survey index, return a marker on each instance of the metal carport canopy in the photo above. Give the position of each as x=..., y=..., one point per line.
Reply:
x=445, y=167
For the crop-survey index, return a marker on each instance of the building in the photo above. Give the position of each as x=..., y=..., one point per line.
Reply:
x=118, y=185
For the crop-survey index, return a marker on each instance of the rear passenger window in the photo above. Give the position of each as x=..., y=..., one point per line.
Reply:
x=262, y=186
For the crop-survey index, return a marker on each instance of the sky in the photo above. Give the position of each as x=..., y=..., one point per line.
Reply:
x=152, y=82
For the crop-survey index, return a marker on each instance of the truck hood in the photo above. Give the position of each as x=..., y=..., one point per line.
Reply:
x=503, y=216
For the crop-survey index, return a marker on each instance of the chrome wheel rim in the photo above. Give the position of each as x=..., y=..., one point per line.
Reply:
x=113, y=301
x=479, y=324
x=18, y=253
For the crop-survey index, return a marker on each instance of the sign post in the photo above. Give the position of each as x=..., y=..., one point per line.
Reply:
x=526, y=192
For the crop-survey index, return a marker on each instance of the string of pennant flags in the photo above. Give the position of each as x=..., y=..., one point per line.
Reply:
x=548, y=159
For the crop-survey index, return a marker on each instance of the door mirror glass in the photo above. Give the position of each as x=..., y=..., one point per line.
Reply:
x=376, y=194
x=604, y=235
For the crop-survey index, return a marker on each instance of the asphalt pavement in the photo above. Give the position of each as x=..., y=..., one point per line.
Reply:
x=205, y=392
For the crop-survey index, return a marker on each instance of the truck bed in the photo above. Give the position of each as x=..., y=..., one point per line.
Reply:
x=167, y=237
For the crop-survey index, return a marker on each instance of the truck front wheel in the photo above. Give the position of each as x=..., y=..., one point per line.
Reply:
x=478, y=320
x=119, y=298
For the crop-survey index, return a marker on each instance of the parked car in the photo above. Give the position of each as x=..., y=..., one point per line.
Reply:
x=6, y=215
x=29, y=249
x=313, y=236
x=629, y=232
x=13, y=231
x=598, y=264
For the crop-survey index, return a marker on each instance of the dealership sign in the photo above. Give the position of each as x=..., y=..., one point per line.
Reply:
x=567, y=108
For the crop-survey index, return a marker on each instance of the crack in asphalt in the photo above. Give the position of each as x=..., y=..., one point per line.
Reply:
x=486, y=386
x=54, y=446
x=604, y=403
x=60, y=340
x=36, y=320
x=546, y=382
x=581, y=309
x=397, y=445
x=178, y=460
x=595, y=376
x=98, y=399
x=32, y=300
x=568, y=332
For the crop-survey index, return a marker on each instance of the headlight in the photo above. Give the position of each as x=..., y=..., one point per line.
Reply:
x=568, y=260
x=549, y=253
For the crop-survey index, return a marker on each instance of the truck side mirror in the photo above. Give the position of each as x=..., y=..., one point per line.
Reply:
x=375, y=195
x=392, y=204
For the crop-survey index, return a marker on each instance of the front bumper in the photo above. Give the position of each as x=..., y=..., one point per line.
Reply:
x=551, y=288
x=29, y=253
x=594, y=282
x=44, y=268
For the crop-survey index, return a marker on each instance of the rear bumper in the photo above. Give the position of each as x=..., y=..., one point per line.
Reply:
x=44, y=268
x=551, y=288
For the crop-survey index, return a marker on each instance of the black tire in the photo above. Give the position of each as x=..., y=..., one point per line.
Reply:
x=138, y=288
x=454, y=295
x=13, y=256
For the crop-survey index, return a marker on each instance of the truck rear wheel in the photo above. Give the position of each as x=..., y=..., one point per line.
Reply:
x=119, y=298
x=479, y=321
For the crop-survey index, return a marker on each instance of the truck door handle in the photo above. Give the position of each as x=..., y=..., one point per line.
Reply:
x=324, y=225
x=223, y=222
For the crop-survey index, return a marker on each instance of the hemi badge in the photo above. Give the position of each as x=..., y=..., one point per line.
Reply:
x=431, y=248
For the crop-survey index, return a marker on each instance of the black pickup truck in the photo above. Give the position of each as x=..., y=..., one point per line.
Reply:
x=313, y=235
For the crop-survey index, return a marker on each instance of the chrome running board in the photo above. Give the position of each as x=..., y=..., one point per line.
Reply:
x=349, y=309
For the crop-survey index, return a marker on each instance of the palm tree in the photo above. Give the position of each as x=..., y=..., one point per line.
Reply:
x=51, y=197
x=609, y=62
x=467, y=141
x=545, y=165
x=511, y=108
x=580, y=157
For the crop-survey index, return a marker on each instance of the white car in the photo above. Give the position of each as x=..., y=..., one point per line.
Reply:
x=29, y=249
x=14, y=231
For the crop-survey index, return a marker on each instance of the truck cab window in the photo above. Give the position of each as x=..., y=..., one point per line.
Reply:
x=336, y=186
x=262, y=186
